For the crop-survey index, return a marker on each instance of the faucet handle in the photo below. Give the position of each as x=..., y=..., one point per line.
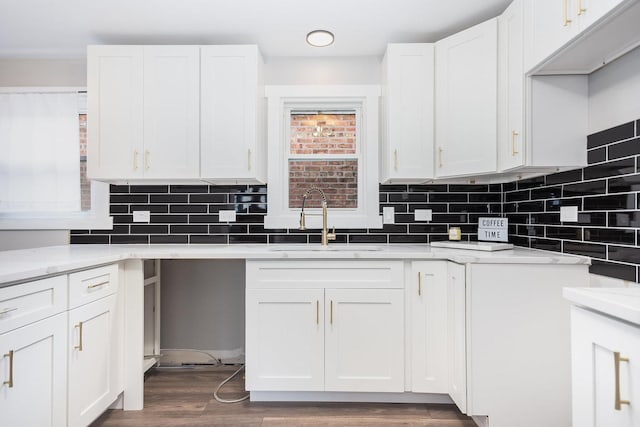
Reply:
x=332, y=235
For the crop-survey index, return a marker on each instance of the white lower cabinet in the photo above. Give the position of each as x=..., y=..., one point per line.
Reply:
x=33, y=374
x=92, y=378
x=325, y=326
x=438, y=331
x=605, y=370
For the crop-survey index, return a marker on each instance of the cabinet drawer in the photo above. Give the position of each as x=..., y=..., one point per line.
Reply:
x=32, y=301
x=91, y=285
x=325, y=274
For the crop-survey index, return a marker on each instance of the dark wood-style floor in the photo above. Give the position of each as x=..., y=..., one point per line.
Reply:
x=184, y=397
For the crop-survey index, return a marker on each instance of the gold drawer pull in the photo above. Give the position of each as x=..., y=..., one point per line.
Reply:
x=135, y=160
x=147, y=154
x=395, y=159
x=419, y=284
x=79, y=346
x=9, y=382
x=514, y=135
x=7, y=310
x=616, y=360
x=97, y=285
x=567, y=21
x=439, y=157
x=331, y=313
x=317, y=312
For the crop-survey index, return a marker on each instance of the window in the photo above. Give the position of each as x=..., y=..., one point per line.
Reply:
x=325, y=137
x=43, y=181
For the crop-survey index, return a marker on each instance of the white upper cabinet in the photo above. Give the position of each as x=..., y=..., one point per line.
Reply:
x=466, y=101
x=542, y=120
x=171, y=105
x=115, y=99
x=511, y=88
x=143, y=106
x=164, y=112
x=562, y=37
x=407, y=113
x=232, y=114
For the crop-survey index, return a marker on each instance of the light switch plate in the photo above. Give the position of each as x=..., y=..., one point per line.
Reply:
x=141, y=216
x=568, y=214
x=388, y=215
x=227, y=216
x=423, y=215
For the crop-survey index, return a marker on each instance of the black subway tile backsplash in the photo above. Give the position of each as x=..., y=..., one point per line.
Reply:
x=617, y=133
x=605, y=192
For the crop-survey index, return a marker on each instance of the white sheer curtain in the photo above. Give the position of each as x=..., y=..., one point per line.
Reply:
x=39, y=152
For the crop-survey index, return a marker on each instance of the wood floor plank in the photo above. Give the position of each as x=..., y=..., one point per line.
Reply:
x=184, y=398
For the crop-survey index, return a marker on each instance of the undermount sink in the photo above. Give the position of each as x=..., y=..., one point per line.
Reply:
x=318, y=247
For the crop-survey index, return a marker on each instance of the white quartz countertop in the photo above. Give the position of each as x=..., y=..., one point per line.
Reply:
x=22, y=265
x=623, y=303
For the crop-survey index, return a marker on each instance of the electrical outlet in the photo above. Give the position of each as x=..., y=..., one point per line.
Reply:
x=227, y=216
x=388, y=215
x=141, y=216
x=422, y=215
x=568, y=213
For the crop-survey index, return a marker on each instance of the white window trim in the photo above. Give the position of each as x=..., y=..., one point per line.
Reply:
x=280, y=100
x=97, y=218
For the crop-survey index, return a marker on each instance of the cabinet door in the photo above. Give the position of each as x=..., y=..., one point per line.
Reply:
x=34, y=361
x=408, y=101
x=428, y=299
x=115, y=131
x=550, y=25
x=597, y=378
x=588, y=12
x=171, y=109
x=511, y=137
x=364, y=340
x=285, y=339
x=466, y=101
x=231, y=120
x=457, y=334
x=92, y=360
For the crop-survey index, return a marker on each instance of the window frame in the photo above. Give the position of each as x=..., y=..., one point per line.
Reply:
x=281, y=100
x=96, y=218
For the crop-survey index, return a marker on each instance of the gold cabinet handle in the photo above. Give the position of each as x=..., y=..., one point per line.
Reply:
x=9, y=382
x=565, y=12
x=79, y=346
x=514, y=136
x=147, y=154
x=97, y=285
x=439, y=157
x=419, y=284
x=135, y=160
x=581, y=10
x=331, y=312
x=249, y=159
x=616, y=360
x=7, y=310
x=395, y=159
x=317, y=312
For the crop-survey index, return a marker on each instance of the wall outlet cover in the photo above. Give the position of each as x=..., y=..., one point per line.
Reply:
x=568, y=214
x=141, y=216
x=388, y=215
x=227, y=216
x=423, y=215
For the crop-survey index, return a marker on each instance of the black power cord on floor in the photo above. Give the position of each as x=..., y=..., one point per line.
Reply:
x=219, y=399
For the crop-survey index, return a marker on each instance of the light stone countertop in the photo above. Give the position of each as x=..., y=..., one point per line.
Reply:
x=22, y=265
x=623, y=303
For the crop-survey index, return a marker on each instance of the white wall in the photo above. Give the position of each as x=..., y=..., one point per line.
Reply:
x=43, y=72
x=202, y=305
x=322, y=70
x=614, y=93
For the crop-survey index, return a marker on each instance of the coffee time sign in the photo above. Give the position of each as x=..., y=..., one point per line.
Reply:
x=493, y=229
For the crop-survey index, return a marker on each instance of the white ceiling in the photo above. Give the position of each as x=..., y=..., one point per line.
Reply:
x=63, y=28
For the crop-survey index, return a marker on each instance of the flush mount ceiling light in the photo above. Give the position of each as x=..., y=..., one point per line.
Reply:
x=320, y=38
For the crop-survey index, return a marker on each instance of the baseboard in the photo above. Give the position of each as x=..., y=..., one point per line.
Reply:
x=325, y=396
x=187, y=356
